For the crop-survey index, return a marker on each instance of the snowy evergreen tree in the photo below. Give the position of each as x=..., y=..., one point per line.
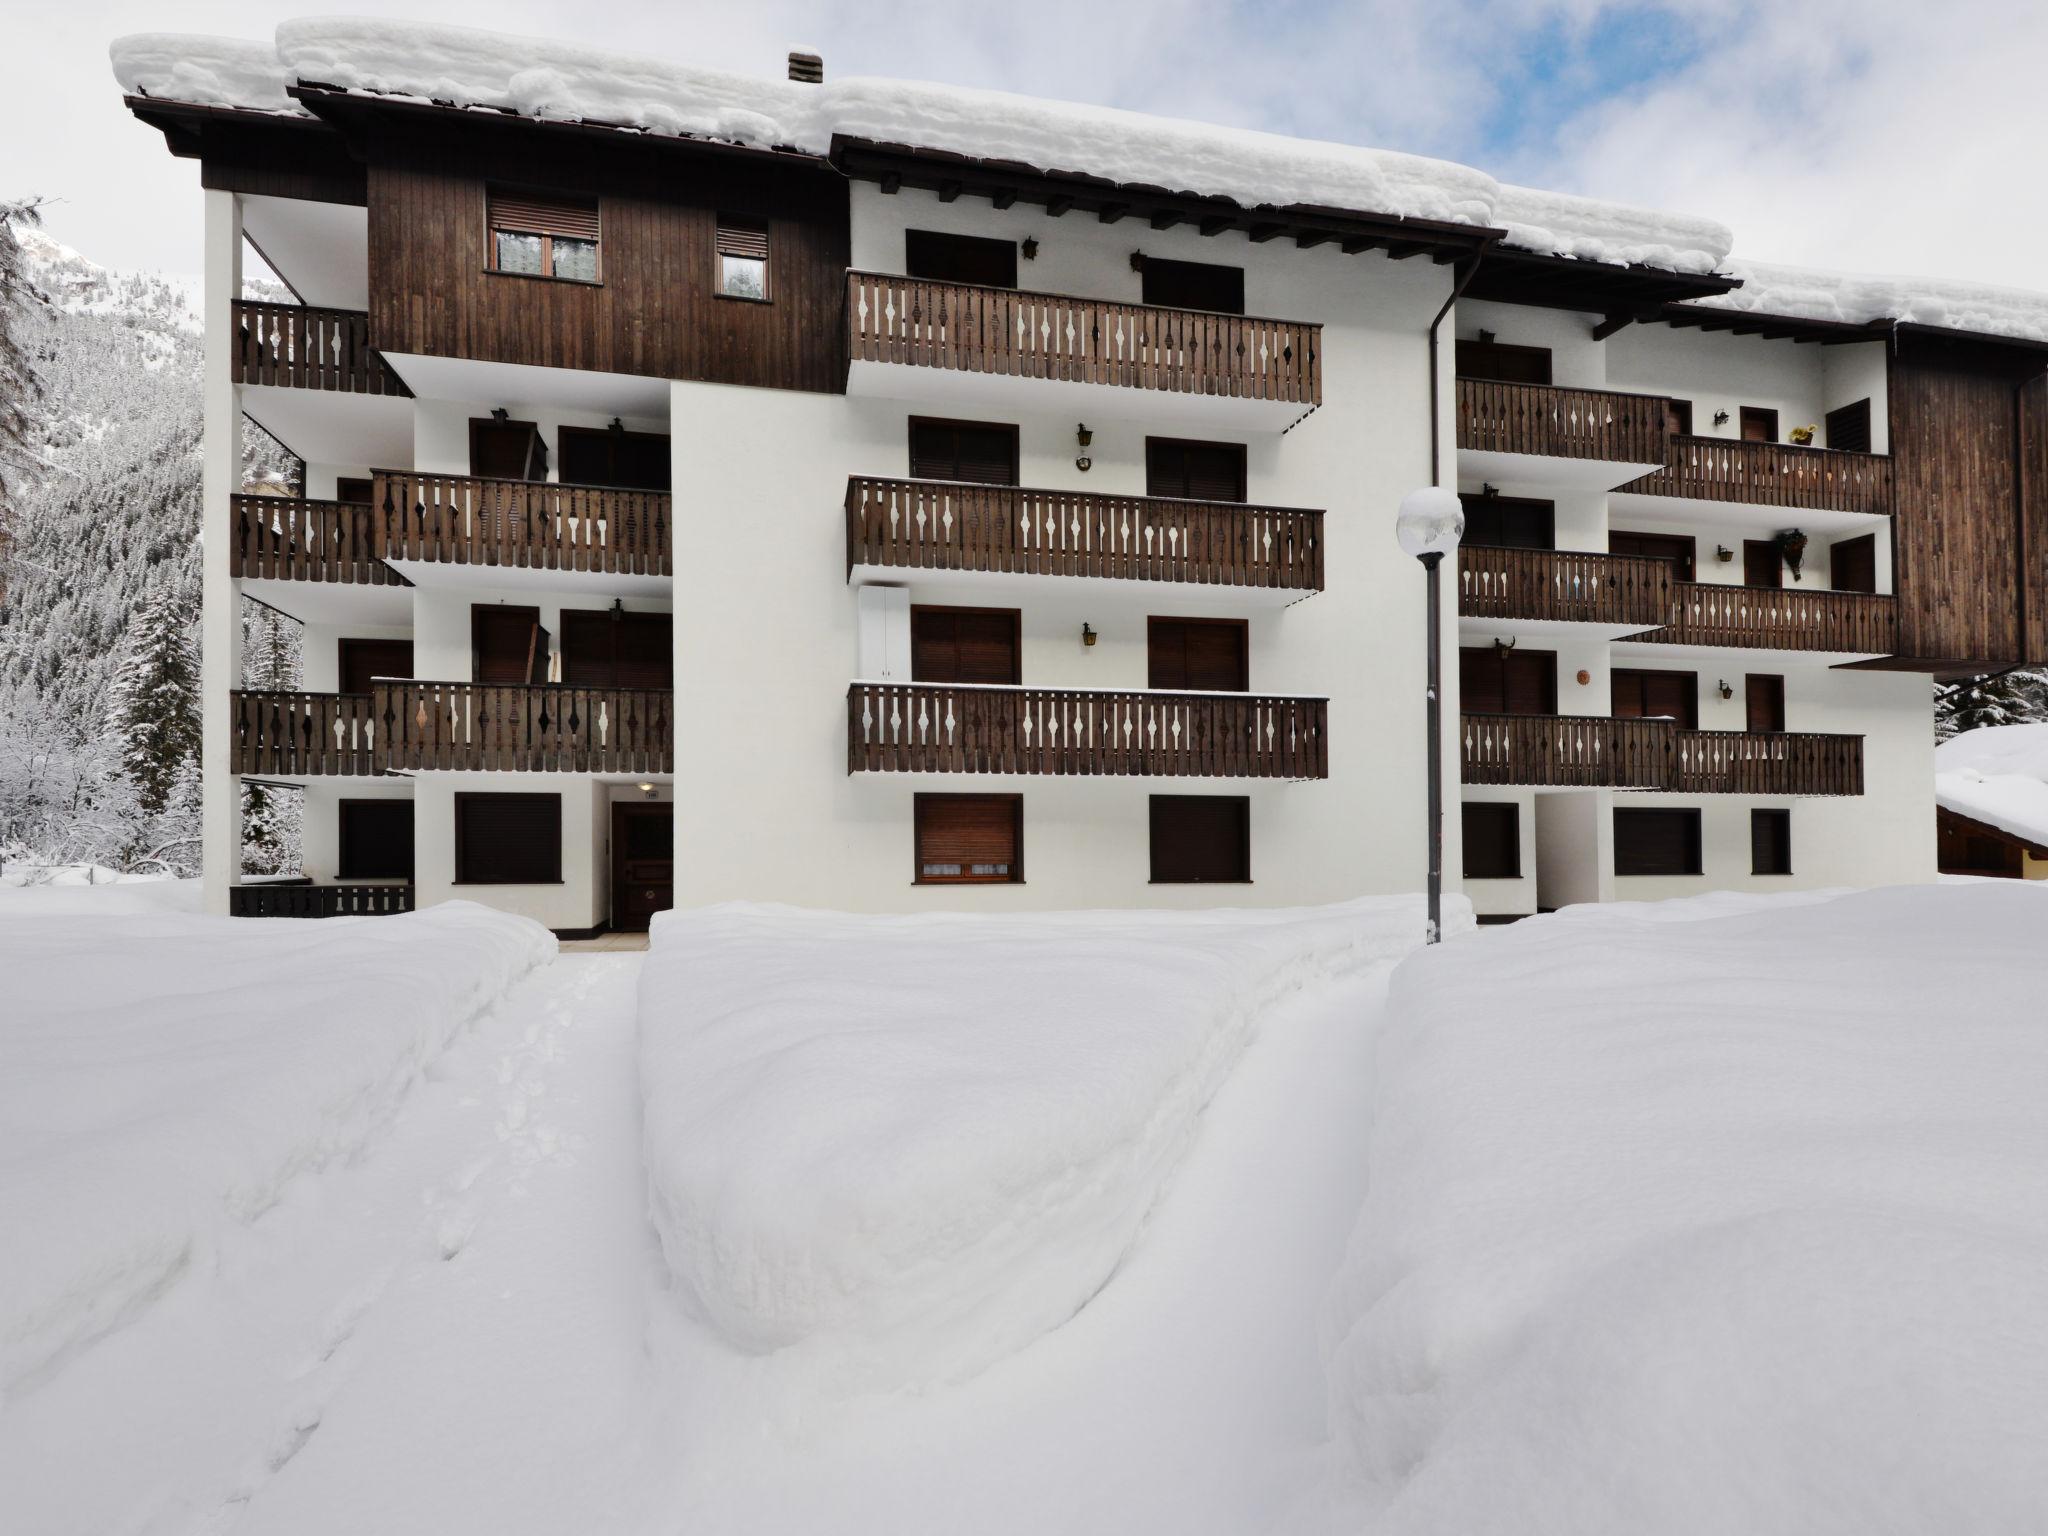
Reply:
x=155, y=702
x=19, y=385
x=2011, y=698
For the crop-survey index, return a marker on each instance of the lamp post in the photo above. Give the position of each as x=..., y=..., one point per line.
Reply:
x=1431, y=522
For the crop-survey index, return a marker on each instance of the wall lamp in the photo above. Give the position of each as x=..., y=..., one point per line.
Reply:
x=1724, y=690
x=1723, y=553
x=646, y=789
x=1720, y=418
x=1030, y=248
x=1087, y=633
x=1084, y=438
x=1502, y=648
x=1137, y=261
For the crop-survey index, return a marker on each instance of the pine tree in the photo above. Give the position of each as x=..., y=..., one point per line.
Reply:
x=155, y=701
x=19, y=385
x=2011, y=698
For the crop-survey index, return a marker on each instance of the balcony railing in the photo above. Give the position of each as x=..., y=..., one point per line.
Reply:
x=307, y=348
x=296, y=734
x=1598, y=752
x=1771, y=475
x=1563, y=586
x=962, y=728
x=952, y=526
x=1780, y=619
x=291, y=538
x=529, y=524
x=279, y=899
x=525, y=728
x=1560, y=423
x=908, y=320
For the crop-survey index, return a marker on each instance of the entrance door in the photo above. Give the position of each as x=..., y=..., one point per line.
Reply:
x=1763, y=563
x=643, y=862
x=1764, y=702
x=1208, y=655
x=965, y=645
x=506, y=450
x=1854, y=563
x=608, y=648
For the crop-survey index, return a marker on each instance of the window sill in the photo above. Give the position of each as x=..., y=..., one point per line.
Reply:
x=742, y=298
x=502, y=884
x=964, y=882
x=1245, y=881
x=546, y=277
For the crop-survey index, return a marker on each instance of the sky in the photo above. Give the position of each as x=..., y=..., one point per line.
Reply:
x=1873, y=135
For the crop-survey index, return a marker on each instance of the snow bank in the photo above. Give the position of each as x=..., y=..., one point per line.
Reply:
x=46, y=891
x=1710, y=1225
x=1855, y=298
x=161, y=1075
x=909, y=1145
x=1996, y=749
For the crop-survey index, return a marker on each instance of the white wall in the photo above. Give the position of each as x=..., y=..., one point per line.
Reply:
x=1574, y=848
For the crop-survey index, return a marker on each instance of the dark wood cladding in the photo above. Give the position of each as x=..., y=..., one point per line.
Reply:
x=911, y=321
x=527, y=524
x=1556, y=422
x=956, y=526
x=293, y=735
x=1770, y=475
x=948, y=728
x=524, y=728
x=1599, y=752
x=655, y=312
x=293, y=538
x=281, y=900
x=1562, y=585
x=302, y=347
x=1780, y=619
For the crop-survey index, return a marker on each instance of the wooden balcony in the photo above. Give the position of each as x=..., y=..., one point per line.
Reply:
x=514, y=728
x=1770, y=475
x=1562, y=586
x=1553, y=422
x=303, y=899
x=523, y=524
x=953, y=526
x=294, y=735
x=1780, y=619
x=292, y=538
x=1598, y=752
x=300, y=347
x=961, y=728
x=958, y=326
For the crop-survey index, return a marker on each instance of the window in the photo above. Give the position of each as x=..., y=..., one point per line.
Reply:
x=507, y=645
x=1518, y=683
x=743, y=258
x=1852, y=564
x=965, y=645
x=1194, y=285
x=1489, y=359
x=960, y=258
x=1763, y=563
x=608, y=648
x=636, y=460
x=1510, y=522
x=357, y=490
x=508, y=839
x=1493, y=840
x=1764, y=701
x=1643, y=695
x=1678, y=417
x=502, y=449
x=543, y=236
x=1656, y=842
x=1196, y=471
x=361, y=661
x=1770, y=842
x=1201, y=839
x=1679, y=549
x=970, y=839
x=375, y=839
x=1759, y=425
x=1203, y=655
x=984, y=452
x=1849, y=427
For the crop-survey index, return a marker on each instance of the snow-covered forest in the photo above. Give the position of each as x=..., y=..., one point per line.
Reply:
x=100, y=571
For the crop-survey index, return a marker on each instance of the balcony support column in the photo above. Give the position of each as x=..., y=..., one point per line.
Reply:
x=220, y=633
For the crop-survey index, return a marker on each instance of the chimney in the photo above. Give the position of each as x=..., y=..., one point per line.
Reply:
x=807, y=68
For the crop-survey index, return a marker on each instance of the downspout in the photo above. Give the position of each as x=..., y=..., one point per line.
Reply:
x=1436, y=474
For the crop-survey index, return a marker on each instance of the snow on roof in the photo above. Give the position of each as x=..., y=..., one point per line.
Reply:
x=206, y=71
x=1995, y=749
x=1853, y=298
x=1997, y=774
x=1561, y=224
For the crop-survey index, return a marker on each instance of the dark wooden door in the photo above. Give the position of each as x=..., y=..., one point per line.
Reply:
x=1198, y=839
x=1764, y=699
x=1503, y=362
x=1510, y=522
x=637, y=460
x=1210, y=655
x=1195, y=471
x=965, y=645
x=507, y=644
x=375, y=840
x=1759, y=425
x=945, y=258
x=507, y=450
x=1646, y=695
x=1763, y=563
x=1194, y=285
x=1679, y=548
x=363, y=660
x=609, y=648
x=643, y=862
x=1854, y=564
x=1519, y=683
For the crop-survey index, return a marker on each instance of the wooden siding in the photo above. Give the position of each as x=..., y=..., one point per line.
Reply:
x=1599, y=752
x=957, y=526
x=1779, y=619
x=1770, y=475
x=292, y=538
x=2033, y=519
x=302, y=347
x=527, y=524
x=524, y=728
x=292, y=735
x=1555, y=422
x=281, y=900
x=654, y=313
x=1562, y=585
x=953, y=728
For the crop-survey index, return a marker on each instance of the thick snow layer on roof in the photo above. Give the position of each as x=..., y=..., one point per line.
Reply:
x=207, y=71
x=1857, y=298
x=1993, y=749
x=1560, y=224
x=1998, y=775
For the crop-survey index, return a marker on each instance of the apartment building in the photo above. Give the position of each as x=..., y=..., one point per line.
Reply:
x=894, y=514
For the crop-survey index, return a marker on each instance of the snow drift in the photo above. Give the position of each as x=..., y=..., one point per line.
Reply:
x=163, y=1074
x=1709, y=1218
x=1997, y=774
x=909, y=1145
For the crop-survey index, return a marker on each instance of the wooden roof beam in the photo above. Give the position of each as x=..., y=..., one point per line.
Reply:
x=1403, y=250
x=1261, y=233
x=1216, y=223
x=891, y=182
x=1358, y=243
x=949, y=191
x=1110, y=213
x=1617, y=321
x=1058, y=204
x=1003, y=197
x=1166, y=218
x=1309, y=239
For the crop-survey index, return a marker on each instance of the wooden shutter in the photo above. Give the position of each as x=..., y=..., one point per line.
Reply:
x=1770, y=842
x=1763, y=563
x=1510, y=522
x=1530, y=682
x=1647, y=695
x=1200, y=654
x=1680, y=549
x=507, y=450
x=1849, y=427
x=1678, y=417
x=534, y=213
x=1482, y=688
x=965, y=645
x=1759, y=424
x=943, y=258
x=1200, y=285
x=508, y=839
x=743, y=237
x=1500, y=361
x=1493, y=840
x=375, y=840
x=508, y=643
x=979, y=451
x=357, y=490
x=1764, y=702
x=602, y=649
x=1196, y=471
x=362, y=660
x=969, y=839
x=1201, y=839
x=1656, y=842
x=1852, y=564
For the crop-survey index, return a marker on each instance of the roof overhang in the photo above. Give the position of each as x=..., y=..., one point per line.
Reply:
x=1619, y=293
x=1991, y=829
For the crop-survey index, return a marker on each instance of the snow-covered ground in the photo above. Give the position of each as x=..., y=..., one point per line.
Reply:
x=87, y=889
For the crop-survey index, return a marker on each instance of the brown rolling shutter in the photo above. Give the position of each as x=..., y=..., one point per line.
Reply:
x=1764, y=701
x=983, y=452
x=1763, y=563
x=375, y=840
x=1504, y=363
x=1852, y=564
x=1207, y=655
x=1656, y=842
x=1201, y=839
x=1531, y=682
x=973, y=259
x=509, y=644
x=1510, y=522
x=1203, y=285
x=1481, y=686
x=1849, y=427
x=1493, y=840
x=964, y=645
x=1669, y=695
x=1678, y=417
x=361, y=661
x=1194, y=471
x=1680, y=549
x=508, y=839
x=1759, y=424
x=537, y=214
x=1770, y=842
x=743, y=237
x=969, y=839
x=601, y=649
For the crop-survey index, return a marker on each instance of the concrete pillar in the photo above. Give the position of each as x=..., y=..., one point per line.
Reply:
x=220, y=634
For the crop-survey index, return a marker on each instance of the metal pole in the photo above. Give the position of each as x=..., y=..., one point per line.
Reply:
x=1433, y=563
